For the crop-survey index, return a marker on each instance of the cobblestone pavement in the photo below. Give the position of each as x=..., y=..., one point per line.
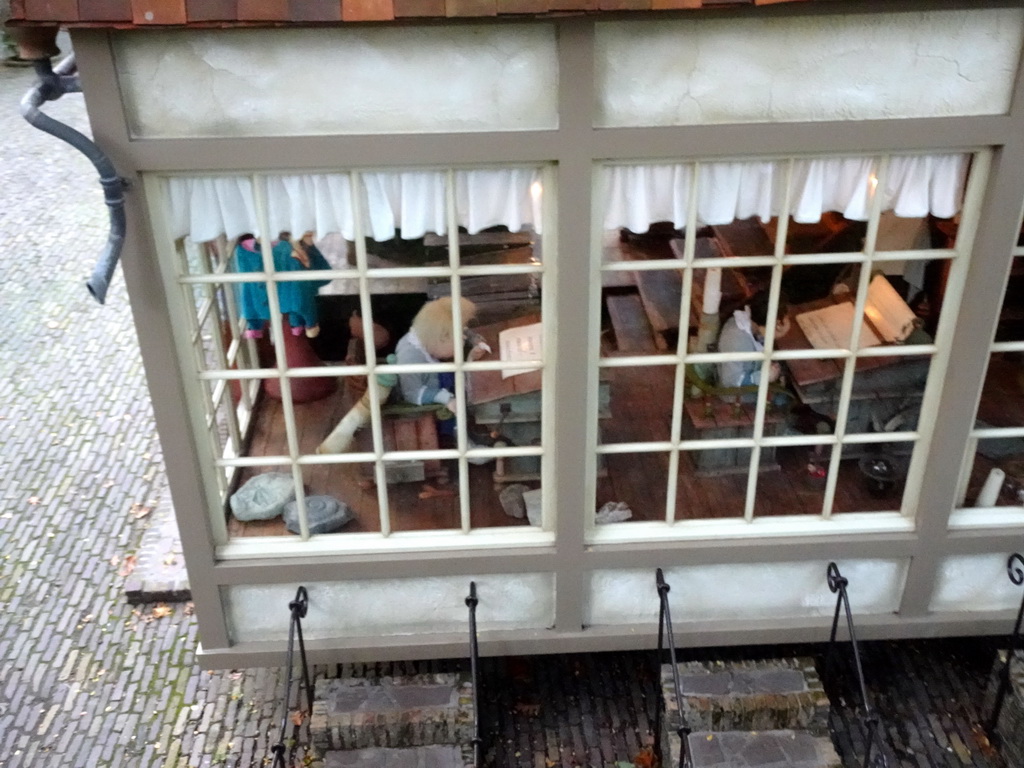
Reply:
x=89, y=680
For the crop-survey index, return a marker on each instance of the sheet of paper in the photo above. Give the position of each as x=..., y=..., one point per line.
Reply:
x=520, y=344
x=888, y=312
x=831, y=327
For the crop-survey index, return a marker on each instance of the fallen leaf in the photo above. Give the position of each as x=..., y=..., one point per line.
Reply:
x=189, y=609
x=530, y=710
x=645, y=758
x=298, y=717
x=139, y=510
x=115, y=560
x=128, y=565
x=33, y=500
x=108, y=484
x=161, y=610
x=170, y=560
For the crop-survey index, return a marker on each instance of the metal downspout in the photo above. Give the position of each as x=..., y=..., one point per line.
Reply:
x=54, y=83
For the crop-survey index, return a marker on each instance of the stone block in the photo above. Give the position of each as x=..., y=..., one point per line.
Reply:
x=772, y=694
x=324, y=514
x=1010, y=727
x=263, y=496
x=392, y=712
x=792, y=749
x=444, y=756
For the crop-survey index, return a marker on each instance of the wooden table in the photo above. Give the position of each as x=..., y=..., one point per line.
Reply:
x=712, y=418
x=880, y=383
x=744, y=237
x=512, y=406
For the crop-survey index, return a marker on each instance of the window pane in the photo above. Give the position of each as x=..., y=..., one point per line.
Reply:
x=643, y=411
x=996, y=474
x=1002, y=398
x=712, y=483
x=631, y=486
x=797, y=487
x=872, y=477
x=1011, y=317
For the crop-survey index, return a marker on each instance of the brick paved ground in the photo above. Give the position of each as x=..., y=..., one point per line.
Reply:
x=88, y=680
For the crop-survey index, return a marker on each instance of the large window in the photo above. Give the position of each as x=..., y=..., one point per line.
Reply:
x=773, y=333
x=365, y=349
x=992, y=479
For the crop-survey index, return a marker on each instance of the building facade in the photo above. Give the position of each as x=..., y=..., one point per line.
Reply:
x=616, y=194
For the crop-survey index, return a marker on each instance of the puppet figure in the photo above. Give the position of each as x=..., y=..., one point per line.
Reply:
x=297, y=298
x=430, y=340
x=255, y=308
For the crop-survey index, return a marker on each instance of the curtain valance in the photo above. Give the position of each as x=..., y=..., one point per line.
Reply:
x=204, y=208
x=639, y=195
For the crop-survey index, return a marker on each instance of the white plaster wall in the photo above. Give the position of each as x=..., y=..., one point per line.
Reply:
x=392, y=606
x=843, y=67
x=743, y=592
x=287, y=82
x=975, y=583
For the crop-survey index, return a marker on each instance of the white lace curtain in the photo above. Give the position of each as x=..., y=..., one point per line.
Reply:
x=639, y=195
x=204, y=208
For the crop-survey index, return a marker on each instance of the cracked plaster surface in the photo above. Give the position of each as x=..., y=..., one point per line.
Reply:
x=975, y=583
x=338, y=81
x=848, y=67
x=394, y=606
x=754, y=590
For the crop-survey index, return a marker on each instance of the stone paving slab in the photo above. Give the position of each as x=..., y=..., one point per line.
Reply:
x=765, y=749
x=418, y=757
x=746, y=695
x=160, y=574
x=392, y=711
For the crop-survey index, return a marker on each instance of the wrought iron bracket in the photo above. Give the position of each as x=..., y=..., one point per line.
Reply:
x=1015, y=571
x=837, y=584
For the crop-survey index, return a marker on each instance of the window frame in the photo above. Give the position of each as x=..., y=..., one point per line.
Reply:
x=216, y=471
x=938, y=352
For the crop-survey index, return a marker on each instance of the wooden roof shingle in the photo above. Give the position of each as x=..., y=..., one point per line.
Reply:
x=182, y=13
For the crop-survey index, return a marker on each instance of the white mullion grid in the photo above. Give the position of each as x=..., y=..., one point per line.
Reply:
x=234, y=432
x=277, y=334
x=753, y=470
x=188, y=293
x=366, y=311
x=181, y=309
x=850, y=366
x=679, y=387
x=241, y=351
x=982, y=433
x=458, y=347
x=955, y=284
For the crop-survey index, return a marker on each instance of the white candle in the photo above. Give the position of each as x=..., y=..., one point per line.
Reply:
x=712, y=291
x=990, y=491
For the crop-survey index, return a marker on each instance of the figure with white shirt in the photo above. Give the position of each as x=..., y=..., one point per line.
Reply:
x=744, y=332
